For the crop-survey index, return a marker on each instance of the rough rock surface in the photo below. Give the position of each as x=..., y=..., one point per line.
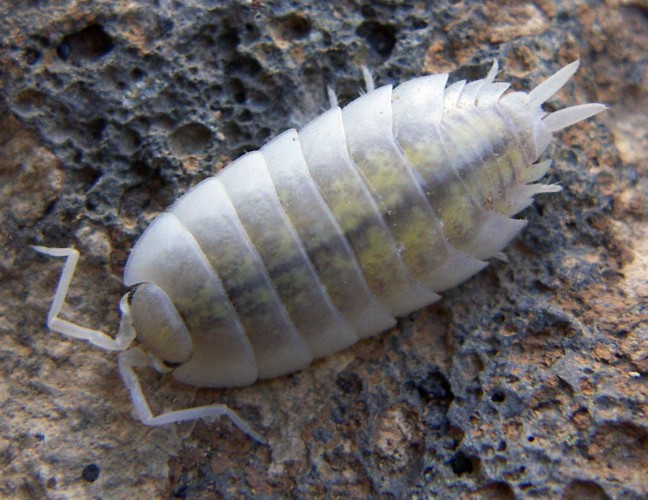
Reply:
x=530, y=380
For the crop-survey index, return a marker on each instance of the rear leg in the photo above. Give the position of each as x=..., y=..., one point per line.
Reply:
x=370, y=85
x=333, y=100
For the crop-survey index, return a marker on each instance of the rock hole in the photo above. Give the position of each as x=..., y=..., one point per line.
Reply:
x=291, y=27
x=29, y=102
x=137, y=74
x=498, y=490
x=232, y=131
x=456, y=436
x=181, y=492
x=133, y=203
x=128, y=140
x=380, y=37
x=190, y=139
x=434, y=388
x=584, y=490
x=90, y=473
x=260, y=101
x=87, y=45
x=244, y=66
x=89, y=176
x=237, y=89
x=226, y=113
x=228, y=41
x=498, y=397
x=96, y=128
x=32, y=56
x=245, y=116
x=464, y=464
x=349, y=383
x=429, y=473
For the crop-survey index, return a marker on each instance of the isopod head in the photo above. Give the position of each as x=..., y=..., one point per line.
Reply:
x=159, y=327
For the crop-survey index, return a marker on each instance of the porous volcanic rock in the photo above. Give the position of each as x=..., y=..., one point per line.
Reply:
x=527, y=381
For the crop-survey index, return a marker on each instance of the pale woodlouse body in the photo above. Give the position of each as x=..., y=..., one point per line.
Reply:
x=326, y=235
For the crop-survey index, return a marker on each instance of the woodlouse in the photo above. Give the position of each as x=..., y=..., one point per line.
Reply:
x=325, y=235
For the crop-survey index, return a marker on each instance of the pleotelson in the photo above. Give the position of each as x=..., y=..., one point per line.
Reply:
x=325, y=235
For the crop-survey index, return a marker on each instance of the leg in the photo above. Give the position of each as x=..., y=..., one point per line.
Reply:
x=137, y=358
x=333, y=101
x=126, y=331
x=368, y=79
x=369, y=84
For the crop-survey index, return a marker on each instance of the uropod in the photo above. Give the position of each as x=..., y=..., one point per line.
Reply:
x=327, y=234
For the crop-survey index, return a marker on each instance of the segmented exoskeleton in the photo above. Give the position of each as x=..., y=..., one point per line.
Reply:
x=325, y=235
